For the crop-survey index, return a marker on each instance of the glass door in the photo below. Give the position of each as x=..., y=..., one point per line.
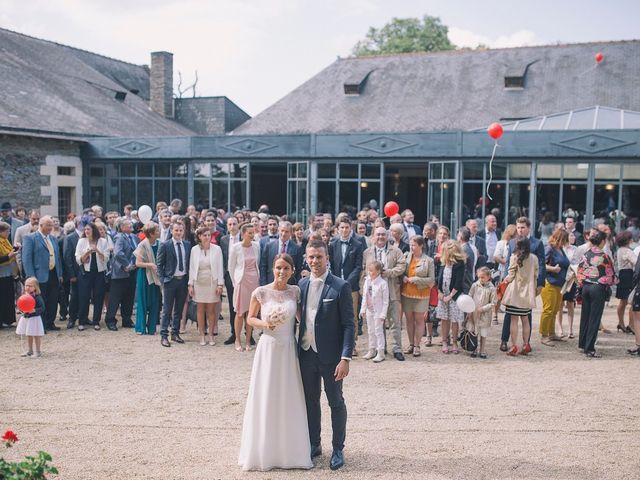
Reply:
x=443, y=192
x=298, y=191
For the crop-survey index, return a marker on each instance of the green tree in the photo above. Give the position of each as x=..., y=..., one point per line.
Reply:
x=403, y=35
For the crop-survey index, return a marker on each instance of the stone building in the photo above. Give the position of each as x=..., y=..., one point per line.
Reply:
x=54, y=98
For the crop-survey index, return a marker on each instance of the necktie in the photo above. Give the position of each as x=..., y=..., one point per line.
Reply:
x=283, y=249
x=52, y=257
x=180, y=261
x=379, y=250
x=132, y=242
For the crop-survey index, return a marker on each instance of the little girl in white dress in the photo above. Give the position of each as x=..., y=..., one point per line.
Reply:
x=30, y=324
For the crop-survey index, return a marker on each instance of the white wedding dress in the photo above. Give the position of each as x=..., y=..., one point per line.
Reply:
x=275, y=433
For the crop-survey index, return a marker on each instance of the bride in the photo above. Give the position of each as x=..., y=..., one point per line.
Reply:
x=275, y=433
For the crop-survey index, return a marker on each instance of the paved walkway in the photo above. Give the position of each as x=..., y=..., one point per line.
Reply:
x=118, y=406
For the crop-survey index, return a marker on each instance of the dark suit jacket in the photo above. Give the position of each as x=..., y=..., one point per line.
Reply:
x=224, y=245
x=334, y=326
x=167, y=261
x=457, y=279
x=537, y=248
x=482, y=233
x=430, y=251
x=69, y=264
x=265, y=240
x=351, y=266
x=269, y=253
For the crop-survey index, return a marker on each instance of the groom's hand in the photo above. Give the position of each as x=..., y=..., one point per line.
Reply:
x=342, y=370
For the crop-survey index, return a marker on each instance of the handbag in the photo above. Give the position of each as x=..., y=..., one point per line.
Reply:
x=468, y=340
x=502, y=288
x=433, y=296
x=192, y=311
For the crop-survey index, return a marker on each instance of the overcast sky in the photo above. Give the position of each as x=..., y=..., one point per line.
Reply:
x=256, y=51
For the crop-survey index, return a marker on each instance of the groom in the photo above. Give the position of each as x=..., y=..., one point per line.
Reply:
x=325, y=342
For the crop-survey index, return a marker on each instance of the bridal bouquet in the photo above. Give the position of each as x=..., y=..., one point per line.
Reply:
x=277, y=316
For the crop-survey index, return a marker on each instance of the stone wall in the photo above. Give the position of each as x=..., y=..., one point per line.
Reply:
x=22, y=161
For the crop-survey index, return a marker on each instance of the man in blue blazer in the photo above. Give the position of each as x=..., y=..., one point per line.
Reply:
x=173, y=269
x=123, y=277
x=41, y=259
x=283, y=244
x=523, y=229
x=325, y=346
x=72, y=271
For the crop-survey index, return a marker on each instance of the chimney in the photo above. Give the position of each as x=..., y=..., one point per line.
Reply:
x=161, y=79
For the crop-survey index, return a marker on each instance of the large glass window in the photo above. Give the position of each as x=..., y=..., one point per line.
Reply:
x=354, y=184
x=326, y=197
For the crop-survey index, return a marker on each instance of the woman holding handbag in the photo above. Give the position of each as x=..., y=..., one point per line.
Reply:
x=417, y=281
x=520, y=296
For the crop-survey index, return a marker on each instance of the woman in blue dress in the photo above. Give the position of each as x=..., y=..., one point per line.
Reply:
x=147, y=283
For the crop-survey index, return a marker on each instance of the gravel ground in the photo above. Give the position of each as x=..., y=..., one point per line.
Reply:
x=114, y=405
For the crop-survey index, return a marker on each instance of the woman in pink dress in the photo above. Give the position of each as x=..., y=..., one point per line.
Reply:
x=244, y=258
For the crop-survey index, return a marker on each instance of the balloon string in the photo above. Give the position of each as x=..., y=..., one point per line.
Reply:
x=493, y=154
x=588, y=70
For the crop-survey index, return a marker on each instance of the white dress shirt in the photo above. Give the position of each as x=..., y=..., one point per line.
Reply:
x=316, y=284
x=178, y=272
x=491, y=240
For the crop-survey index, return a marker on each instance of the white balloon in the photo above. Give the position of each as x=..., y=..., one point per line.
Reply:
x=145, y=213
x=466, y=304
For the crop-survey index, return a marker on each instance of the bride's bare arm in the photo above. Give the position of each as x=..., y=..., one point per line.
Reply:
x=252, y=316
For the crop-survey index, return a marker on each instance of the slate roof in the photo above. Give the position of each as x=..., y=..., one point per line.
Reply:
x=48, y=87
x=456, y=90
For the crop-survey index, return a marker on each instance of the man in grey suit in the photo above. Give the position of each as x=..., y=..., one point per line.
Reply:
x=173, y=269
x=283, y=244
x=393, y=266
x=123, y=278
x=41, y=259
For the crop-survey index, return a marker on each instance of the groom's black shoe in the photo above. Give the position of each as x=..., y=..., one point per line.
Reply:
x=337, y=460
x=316, y=451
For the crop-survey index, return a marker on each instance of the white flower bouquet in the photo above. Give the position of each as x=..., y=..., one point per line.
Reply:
x=277, y=316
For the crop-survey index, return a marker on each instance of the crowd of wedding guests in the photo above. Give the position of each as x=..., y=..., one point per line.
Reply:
x=106, y=265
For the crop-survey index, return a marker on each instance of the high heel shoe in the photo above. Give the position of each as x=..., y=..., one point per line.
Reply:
x=634, y=351
x=630, y=330
x=513, y=351
x=621, y=328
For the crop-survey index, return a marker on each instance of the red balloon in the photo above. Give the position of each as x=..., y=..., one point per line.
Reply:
x=391, y=208
x=495, y=130
x=599, y=57
x=26, y=303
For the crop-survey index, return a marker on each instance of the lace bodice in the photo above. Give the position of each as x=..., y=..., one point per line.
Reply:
x=272, y=300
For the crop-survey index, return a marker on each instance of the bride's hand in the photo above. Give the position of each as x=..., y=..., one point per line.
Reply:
x=269, y=326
